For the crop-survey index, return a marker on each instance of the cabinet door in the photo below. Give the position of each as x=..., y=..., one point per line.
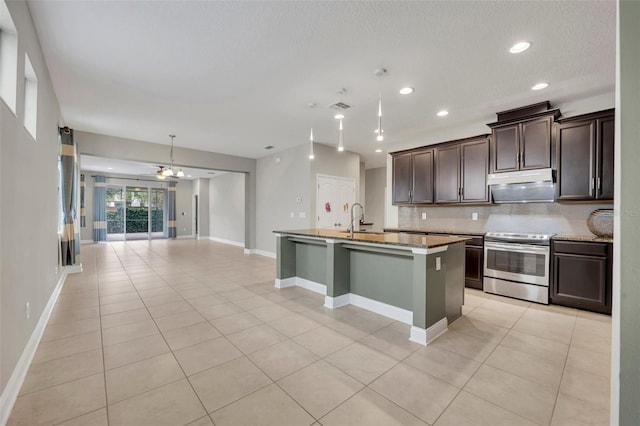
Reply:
x=535, y=144
x=604, y=176
x=474, y=265
x=447, y=160
x=505, y=148
x=580, y=281
x=422, y=177
x=575, y=149
x=402, y=179
x=475, y=168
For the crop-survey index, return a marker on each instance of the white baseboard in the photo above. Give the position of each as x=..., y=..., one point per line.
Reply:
x=436, y=330
x=418, y=335
x=338, y=301
x=260, y=253
x=230, y=242
x=384, y=309
x=285, y=282
x=86, y=242
x=185, y=237
x=12, y=389
x=311, y=285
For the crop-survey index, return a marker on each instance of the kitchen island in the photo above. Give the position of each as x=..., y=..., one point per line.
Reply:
x=415, y=279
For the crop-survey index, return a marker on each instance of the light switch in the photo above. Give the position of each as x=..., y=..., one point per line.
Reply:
x=474, y=216
x=438, y=264
x=292, y=215
x=424, y=215
x=302, y=215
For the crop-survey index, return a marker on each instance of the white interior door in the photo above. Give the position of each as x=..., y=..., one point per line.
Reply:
x=334, y=200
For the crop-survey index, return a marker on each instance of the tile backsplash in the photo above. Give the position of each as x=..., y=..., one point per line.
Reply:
x=556, y=218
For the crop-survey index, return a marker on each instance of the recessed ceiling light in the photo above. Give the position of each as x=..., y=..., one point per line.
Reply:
x=443, y=113
x=540, y=86
x=109, y=168
x=378, y=150
x=520, y=47
x=338, y=116
x=406, y=90
x=188, y=175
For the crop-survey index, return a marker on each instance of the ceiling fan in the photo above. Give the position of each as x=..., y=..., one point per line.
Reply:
x=165, y=172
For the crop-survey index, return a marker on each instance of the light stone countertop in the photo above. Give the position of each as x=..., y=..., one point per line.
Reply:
x=391, y=238
x=590, y=238
x=437, y=231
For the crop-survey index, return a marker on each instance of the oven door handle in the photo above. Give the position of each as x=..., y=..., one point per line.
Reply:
x=523, y=248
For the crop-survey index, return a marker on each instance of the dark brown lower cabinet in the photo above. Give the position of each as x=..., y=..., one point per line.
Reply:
x=474, y=266
x=581, y=275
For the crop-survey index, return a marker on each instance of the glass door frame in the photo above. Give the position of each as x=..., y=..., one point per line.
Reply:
x=149, y=190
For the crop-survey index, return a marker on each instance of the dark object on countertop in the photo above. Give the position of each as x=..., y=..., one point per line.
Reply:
x=600, y=222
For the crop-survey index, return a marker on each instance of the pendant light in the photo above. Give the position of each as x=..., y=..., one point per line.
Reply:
x=311, y=156
x=379, y=138
x=340, y=138
x=380, y=72
x=169, y=171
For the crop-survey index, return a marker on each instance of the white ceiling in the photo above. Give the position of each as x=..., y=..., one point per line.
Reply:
x=233, y=77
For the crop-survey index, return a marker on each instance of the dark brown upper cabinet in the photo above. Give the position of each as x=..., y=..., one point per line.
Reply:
x=413, y=177
x=461, y=170
x=521, y=139
x=584, y=156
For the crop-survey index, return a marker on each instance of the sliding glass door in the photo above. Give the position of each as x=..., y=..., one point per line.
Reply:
x=135, y=213
x=115, y=213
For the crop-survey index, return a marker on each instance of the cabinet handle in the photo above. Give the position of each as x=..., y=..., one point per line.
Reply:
x=598, y=185
x=521, y=159
x=517, y=160
x=593, y=183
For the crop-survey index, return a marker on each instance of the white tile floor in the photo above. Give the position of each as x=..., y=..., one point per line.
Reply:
x=193, y=332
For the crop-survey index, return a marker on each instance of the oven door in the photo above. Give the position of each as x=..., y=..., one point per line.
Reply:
x=517, y=262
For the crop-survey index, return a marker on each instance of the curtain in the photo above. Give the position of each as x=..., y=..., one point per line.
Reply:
x=100, y=209
x=68, y=192
x=171, y=220
x=83, y=217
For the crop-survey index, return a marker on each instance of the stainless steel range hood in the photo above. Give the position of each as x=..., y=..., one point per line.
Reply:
x=528, y=186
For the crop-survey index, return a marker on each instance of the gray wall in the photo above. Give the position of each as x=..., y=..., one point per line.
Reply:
x=183, y=200
x=626, y=315
x=567, y=219
x=329, y=161
x=226, y=207
x=289, y=176
x=184, y=209
x=374, y=200
x=282, y=178
x=201, y=189
x=129, y=149
x=28, y=204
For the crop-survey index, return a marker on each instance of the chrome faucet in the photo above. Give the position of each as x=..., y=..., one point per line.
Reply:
x=351, y=224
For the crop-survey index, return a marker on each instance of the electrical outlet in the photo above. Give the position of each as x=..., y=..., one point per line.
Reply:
x=438, y=264
x=27, y=310
x=474, y=216
x=424, y=215
x=302, y=215
x=292, y=215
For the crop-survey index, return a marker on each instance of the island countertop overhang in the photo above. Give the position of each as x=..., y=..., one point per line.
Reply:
x=392, y=239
